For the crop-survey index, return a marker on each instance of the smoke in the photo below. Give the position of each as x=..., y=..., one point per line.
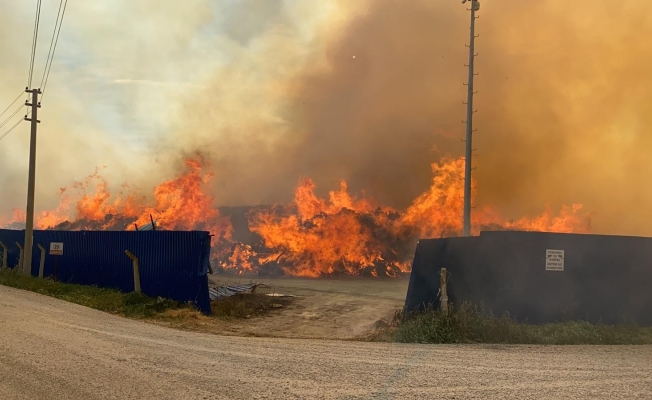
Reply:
x=561, y=107
x=370, y=92
x=120, y=71
x=87, y=114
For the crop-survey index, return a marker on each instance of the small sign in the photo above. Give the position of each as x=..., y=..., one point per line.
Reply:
x=56, y=249
x=554, y=260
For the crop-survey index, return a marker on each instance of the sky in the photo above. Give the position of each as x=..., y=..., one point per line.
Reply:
x=124, y=72
x=271, y=92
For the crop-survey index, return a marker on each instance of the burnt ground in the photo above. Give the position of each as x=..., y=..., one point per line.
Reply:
x=344, y=308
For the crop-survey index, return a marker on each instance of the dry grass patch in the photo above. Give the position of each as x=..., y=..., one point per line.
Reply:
x=248, y=305
x=469, y=324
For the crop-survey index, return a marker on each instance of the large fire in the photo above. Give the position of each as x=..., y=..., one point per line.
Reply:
x=312, y=236
x=178, y=204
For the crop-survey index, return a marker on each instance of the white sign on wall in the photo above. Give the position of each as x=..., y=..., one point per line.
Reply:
x=56, y=249
x=554, y=260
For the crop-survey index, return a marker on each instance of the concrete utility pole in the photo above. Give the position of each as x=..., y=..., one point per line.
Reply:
x=475, y=6
x=29, y=223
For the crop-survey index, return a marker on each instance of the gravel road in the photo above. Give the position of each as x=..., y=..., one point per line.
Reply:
x=50, y=349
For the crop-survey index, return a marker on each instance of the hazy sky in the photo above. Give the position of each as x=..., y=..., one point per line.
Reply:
x=271, y=92
x=124, y=72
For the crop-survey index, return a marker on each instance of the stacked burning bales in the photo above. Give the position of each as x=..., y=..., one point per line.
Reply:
x=276, y=241
x=539, y=277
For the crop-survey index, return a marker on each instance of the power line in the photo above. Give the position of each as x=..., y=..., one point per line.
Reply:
x=54, y=31
x=30, y=72
x=11, y=129
x=57, y=23
x=11, y=116
x=48, y=67
x=12, y=103
x=34, y=42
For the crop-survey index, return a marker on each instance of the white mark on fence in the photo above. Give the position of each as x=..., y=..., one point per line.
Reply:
x=554, y=260
x=56, y=249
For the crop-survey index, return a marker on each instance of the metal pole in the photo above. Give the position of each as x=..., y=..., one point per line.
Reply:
x=475, y=5
x=29, y=223
x=136, y=267
x=4, y=255
x=21, y=257
x=41, y=265
x=443, y=287
x=55, y=272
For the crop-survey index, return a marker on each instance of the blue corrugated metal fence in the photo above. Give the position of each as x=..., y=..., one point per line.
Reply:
x=172, y=264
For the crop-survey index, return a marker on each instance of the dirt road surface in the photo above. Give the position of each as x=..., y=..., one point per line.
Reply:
x=343, y=308
x=50, y=349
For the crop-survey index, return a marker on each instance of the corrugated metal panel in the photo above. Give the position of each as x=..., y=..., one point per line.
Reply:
x=147, y=227
x=9, y=238
x=605, y=278
x=222, y=292
x=172, y=264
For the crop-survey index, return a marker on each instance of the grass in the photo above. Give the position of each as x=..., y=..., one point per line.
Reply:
x=133, y=305
x=470, y=324
x=247, y=305
x=137, y=305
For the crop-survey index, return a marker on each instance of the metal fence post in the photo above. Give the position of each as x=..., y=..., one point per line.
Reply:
x=134, y=259
x=443, y=286
x=20, y=259
x=4, y=255
x=42, y=263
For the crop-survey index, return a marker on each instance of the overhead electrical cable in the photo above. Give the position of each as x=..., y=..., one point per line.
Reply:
x=54, y=33
x=34, y=42
x=12, y=103
x=48, y=66
x=11, y=116
x=11, y=129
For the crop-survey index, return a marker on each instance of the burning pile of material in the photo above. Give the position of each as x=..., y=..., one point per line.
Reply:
x=339, y=235
x=346, y=242
x=178, y=204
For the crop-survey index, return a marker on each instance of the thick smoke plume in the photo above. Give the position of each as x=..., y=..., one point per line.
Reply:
x=561, y=108
x=371, y=92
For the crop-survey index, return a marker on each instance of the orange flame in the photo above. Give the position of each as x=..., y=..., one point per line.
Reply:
x=178, y=204
x=312, y=236
x=348, y=235
x=437, y=212
x=182, y=203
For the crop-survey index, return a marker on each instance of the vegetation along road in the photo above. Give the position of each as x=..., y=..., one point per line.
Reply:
x=54, y=349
